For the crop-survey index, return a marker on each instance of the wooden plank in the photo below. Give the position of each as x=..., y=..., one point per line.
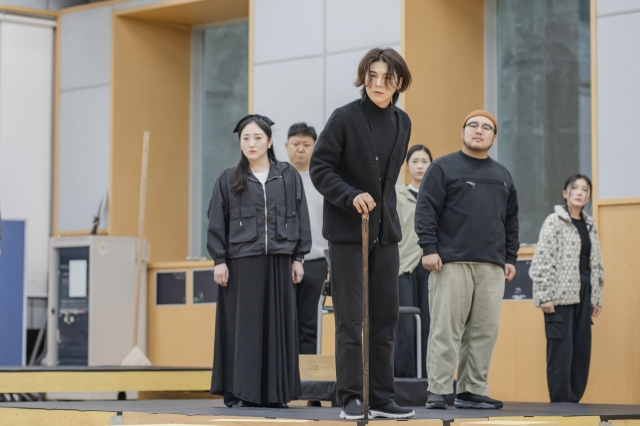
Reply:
x=36, y=417
x=317, y=367
x=103, y=381
x=28, y=11
x=558, y=420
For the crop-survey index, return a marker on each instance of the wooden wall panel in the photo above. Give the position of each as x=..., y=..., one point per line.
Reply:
x=615, y=361
x=502, y=375
x=179, y=336
x=151, y=91
x=444, y=48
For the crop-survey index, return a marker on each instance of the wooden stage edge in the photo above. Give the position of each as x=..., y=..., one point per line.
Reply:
x=103, y=413
x=143, y=379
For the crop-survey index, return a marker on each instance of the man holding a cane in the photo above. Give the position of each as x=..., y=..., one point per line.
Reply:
x=355, y=165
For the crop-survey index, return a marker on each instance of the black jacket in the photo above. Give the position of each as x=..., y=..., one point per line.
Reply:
x=344, y=164
x=467, y=211
x=254, y=222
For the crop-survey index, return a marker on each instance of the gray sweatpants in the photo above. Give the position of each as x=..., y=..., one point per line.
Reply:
x=464, y=302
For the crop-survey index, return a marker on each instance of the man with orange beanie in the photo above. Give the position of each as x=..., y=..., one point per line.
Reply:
x=467, y=224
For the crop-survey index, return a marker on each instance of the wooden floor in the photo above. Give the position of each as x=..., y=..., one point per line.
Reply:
x=212, y=412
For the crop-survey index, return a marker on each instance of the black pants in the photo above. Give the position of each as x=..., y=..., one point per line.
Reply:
x=413, y=290
x=307, y=296
x=568, y=333
x=346, y=289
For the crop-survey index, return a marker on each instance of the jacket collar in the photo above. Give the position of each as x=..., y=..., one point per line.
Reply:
x=276, y=168
x=564, y=214
x=403, y=191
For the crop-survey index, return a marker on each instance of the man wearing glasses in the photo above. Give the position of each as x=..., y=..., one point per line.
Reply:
x=467, y=224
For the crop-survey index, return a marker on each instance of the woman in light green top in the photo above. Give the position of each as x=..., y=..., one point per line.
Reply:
x=413, y=280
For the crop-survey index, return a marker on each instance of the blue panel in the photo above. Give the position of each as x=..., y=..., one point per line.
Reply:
x=11, y=292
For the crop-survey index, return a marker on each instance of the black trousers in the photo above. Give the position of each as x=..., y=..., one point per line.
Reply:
x=346, y=289
x=568, y=333
x=413, y=289
x=307, y=296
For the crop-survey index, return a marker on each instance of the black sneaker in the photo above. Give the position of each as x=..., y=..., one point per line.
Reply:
x=436, y=402
x=391, y=411
x=353, y=410
x=471, y=400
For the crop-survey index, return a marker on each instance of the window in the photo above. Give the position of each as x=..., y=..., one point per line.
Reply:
x=220, y=98
x=544, y=101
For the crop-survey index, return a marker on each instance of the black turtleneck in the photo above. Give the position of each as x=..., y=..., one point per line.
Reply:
x=384, y=128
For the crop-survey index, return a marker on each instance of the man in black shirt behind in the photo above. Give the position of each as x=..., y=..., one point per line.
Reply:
x=467, y=224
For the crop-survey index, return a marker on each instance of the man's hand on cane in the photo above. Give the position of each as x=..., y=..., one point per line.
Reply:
x=364, y=203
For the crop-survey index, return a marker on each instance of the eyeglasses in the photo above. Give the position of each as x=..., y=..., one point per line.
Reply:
x=485, y=127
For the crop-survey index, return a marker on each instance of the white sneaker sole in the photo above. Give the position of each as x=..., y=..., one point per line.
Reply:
x=345, y=416
x=383, y=414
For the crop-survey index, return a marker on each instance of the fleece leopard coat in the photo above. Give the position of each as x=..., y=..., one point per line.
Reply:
x=555, y=269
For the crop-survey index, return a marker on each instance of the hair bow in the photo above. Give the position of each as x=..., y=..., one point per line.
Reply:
x=261, y=117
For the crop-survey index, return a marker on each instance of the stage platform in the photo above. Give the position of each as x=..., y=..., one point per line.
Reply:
x=212, y=412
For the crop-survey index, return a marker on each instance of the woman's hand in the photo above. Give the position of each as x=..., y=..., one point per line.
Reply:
x=596, y=311
x=364, y=203
x=221, y=274
x=548, y=308
x=297, y=272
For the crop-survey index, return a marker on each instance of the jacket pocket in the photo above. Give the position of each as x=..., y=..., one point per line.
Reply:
x=243, y=226
x=286, y=224
x=554, y=326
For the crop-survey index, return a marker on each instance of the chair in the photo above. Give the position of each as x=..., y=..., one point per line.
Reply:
x=404, y=310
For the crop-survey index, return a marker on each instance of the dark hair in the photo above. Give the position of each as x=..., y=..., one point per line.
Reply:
x=397, y=68
x=303, y=130
x=241, y=171
x=417, y=148
x=570, y=181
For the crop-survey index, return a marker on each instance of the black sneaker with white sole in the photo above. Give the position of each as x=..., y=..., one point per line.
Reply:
x=391, y=411
x=436, y=402
x=353, y=410
x=471, y=400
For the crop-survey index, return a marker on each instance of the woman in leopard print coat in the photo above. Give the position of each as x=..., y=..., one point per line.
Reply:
x=568, y=276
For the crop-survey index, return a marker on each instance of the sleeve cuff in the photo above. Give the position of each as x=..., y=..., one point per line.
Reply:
x=351, y=198
x=429, y=249
x=219, y=261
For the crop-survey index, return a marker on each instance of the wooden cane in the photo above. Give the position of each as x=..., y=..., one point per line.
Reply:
x=365, y=314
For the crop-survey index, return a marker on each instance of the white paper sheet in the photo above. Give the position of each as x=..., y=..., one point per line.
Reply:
x=77, y=278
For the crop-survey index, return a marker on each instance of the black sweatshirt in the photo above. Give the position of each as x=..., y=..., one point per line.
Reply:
x=384, y=128
x=467, y=211
x=344, y=165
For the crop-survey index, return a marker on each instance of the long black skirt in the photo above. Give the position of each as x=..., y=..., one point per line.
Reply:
x=256, y=344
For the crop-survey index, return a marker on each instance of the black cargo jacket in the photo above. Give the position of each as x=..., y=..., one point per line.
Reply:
x=263, y=219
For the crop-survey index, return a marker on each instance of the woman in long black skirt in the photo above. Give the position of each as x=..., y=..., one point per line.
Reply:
x=258, y=235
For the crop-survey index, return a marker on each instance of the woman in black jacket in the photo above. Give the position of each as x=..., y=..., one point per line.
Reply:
x=258, y=235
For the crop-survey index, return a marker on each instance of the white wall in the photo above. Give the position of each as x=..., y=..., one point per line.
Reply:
x=26, y=102
x=85, y=117
x=306, y=54
x=618, y=91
